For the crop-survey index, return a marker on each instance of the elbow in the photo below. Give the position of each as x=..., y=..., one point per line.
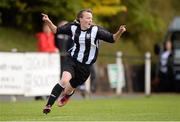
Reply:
x=54, y=30
x=114, y=39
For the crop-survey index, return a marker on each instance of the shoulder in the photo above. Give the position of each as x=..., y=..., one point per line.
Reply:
x=66, y=29
x=94, y=28
x=40, y=34
x=71, y=25
x=101, y=28
x=74, y=24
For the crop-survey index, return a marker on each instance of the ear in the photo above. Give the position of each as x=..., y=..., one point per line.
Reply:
x=80, y=19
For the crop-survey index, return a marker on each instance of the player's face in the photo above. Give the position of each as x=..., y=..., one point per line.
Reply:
x=86, y=20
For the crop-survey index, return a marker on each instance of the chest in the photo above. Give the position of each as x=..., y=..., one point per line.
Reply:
x=84, y=36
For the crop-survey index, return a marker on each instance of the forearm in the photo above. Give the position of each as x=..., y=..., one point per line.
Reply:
x=117, y=36
x=46, y=19
x=52, y=26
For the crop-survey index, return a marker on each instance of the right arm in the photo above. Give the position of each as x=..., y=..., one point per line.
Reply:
x=46, y=19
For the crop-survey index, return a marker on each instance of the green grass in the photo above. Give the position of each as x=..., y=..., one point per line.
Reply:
x=154, y=108
x=14, y=38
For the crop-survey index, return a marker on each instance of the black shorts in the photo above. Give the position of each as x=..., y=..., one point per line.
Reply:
x=79, y=71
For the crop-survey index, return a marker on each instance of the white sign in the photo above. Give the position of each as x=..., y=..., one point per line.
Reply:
x=11, y=77
x=31, y=74
x=113, y=75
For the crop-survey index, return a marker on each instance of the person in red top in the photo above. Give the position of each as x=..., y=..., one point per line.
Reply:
x=46, y=41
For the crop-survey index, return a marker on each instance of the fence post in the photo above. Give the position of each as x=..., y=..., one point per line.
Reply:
x=13, y=98
x=119, y=64
x=147, y=73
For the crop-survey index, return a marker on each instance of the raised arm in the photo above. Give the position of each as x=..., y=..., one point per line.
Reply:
x=121, y=30
x=46, y=19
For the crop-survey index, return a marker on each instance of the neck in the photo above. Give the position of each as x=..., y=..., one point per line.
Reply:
x=83, y=28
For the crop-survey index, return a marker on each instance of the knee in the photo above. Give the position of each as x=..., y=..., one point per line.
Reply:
x=65, y=79
x=64, y=83
x=68, y=90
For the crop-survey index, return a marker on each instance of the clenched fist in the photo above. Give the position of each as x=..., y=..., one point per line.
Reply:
x=122, y=28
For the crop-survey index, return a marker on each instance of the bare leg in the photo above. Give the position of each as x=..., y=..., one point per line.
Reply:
x=56, y=91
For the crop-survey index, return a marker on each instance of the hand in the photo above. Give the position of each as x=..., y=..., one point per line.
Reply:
x=45, y=17
x=122, y=29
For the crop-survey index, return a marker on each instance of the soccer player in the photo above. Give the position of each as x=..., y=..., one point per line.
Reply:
x=76, y=67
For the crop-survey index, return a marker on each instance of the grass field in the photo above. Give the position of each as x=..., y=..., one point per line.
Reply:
x=13, y=38
x=23, y=41
x=136, y=108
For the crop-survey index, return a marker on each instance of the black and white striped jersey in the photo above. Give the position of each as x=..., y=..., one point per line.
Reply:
x=86, y=42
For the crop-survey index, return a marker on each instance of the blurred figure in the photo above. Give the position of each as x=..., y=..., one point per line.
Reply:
x=45, y=44
x=62, y=41
x=165, y=69
x=93, y=78
x=46, y=40
x=93, y=85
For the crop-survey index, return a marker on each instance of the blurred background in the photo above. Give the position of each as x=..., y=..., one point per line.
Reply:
x=147, y=23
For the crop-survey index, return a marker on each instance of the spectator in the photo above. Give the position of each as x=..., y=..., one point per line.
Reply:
x=165, y=69
x=45, y=44
x=62, y=41
x=46, y=40
x=92, y=79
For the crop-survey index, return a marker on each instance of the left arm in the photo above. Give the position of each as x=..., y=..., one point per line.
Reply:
x=121, y=30
x=105, y=35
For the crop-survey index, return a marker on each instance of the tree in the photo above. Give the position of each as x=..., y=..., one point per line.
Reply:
x=104, y=9
x=146, y=22
x=26, y=14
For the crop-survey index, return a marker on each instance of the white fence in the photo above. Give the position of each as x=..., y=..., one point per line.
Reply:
x=35, y=74
x=117, y=76
x=28, y=74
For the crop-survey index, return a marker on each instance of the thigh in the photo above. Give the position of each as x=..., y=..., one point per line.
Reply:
x=66, y=77
x=67, y=72
x=68, y=65
x=81, y=75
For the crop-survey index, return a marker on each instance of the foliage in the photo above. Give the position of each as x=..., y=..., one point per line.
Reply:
x=146, y=20
x=14, y=39
x=26, y=14
x=105, y=7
